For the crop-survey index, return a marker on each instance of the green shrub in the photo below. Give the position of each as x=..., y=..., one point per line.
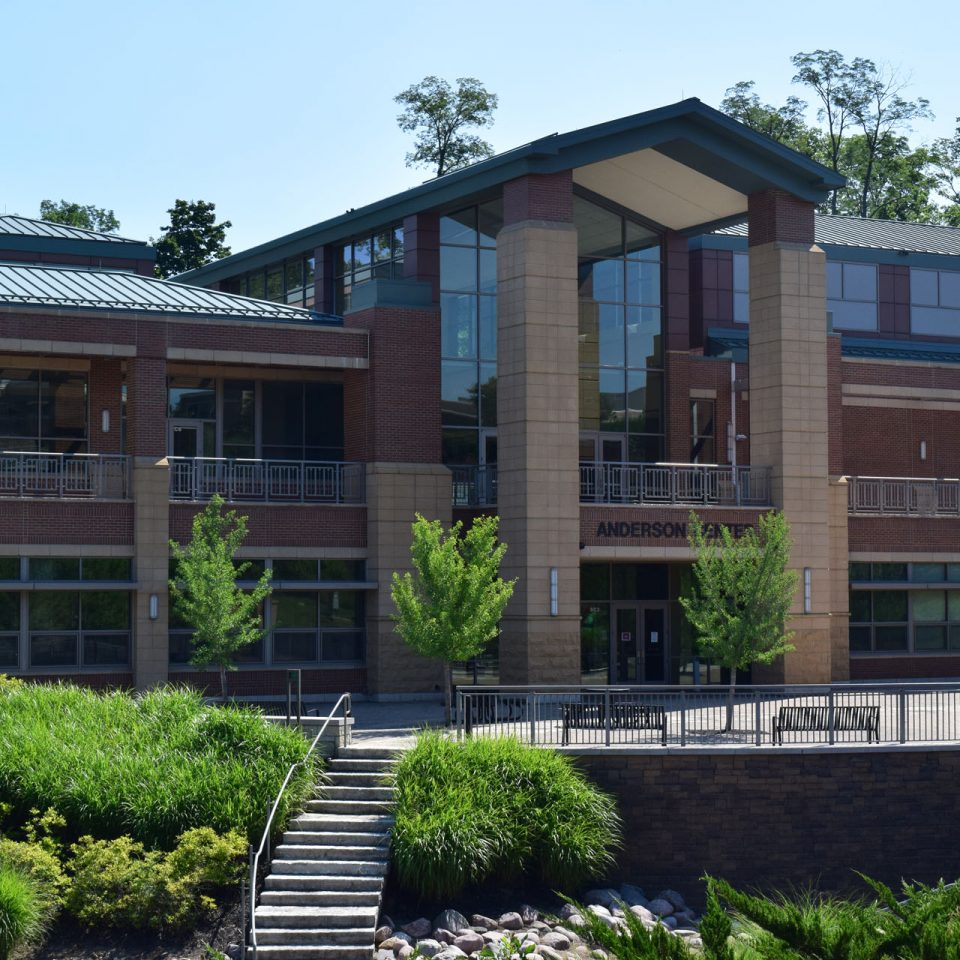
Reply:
x=41, y=866
x=636, y=942
x=151, y=766
x=22, y=915
x=118, y=883
x=466, y=812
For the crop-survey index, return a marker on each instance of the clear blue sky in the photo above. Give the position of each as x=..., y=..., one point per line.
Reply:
x=282, y=114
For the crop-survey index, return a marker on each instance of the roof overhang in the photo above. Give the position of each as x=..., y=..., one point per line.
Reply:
x=685, y=166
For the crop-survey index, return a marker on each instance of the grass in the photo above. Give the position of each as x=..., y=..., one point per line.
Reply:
x=495, y=809
x=149, y=766
x=22, y=914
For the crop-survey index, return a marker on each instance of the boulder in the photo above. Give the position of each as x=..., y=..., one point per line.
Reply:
x=383, y=933
x=575, y=920
x=405, y=952
x=548, y=953
x=510, y=921
x=444, y=936
x=567, y=910
x=469, y=942
x=479, y=920
x=632, y=896
x=556, y=940
x=643, y=913
x=673, y=898
x=397, y=941
x=662, y=908
x=530, y=936
x=492, y=936
x=540, y=925
x=669, y=922
x=569, y=934
x=528, y=914
x=451, y=920
x=418, y=928
x=604, y=896
x=449, y=953
x=429, y=948
x=382, y=954
x=604, y=916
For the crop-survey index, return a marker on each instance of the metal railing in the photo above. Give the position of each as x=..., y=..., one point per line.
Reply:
x=93, y=476
x=474, y=486
x=680, y=716
x=675, y=483
x=266, y=481
x=932, y=497
x=264, y=848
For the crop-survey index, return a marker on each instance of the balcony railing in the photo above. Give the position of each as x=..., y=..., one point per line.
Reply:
x=266, y=481
x=81, y=476
x=685, y=484
x=474, y=486
x=930, y=497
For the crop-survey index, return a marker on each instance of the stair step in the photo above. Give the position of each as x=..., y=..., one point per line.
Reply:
x=338, y=838
x=325, y=852
x=343, y=899
x=307, y=936
x=336, y=792
x=271, y=916
x=323, y=884
x=357, y=765
x=330, y=868
x=337, y=823
x=347, y=807
x=287, y=952
x=368, y=753
x=363, y=778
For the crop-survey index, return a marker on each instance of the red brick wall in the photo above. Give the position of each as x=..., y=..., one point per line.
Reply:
x=105, y=383
x=711, y=292
x=402, y=385
x=778, y=215
x=885, y=442
x=539, y=197
x=62, y=521
x=286, y=525
x=591, y=517
x=70, y=329
x=677, y=372
x=264, y=340
x=146, y=406
x=895, y=534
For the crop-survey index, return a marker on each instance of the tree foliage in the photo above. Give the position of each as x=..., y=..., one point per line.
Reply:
x=193, y=238
x=224, y=617
x=439, y=116
x=451, y=609
x=741, y=592
x=86, y=217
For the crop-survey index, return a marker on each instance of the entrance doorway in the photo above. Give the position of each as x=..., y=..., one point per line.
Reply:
x=639, y=643
x=186, y=439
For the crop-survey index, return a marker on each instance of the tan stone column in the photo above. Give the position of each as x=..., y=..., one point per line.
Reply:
x=538, y=429
x=151, y=496
x=396, y=492
x=788, y=411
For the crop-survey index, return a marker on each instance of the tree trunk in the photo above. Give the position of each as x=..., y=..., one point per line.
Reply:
x=733, y=686
x=447, y=682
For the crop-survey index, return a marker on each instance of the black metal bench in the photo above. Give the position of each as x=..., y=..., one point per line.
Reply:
x=796, y=719
x=623, y=716
x=484, y=709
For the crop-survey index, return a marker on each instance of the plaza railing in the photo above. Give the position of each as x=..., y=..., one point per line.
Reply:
x=597, y=717
x=91, y=476
x=266, y=481
x=935, y=497
x=682, y=484
x=474, y=486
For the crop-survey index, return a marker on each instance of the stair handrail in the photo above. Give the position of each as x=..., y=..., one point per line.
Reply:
x=267, y=830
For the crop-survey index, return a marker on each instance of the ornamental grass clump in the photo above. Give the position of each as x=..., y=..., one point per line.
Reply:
x=151, y=766
x=483, y=809
x=22, y=910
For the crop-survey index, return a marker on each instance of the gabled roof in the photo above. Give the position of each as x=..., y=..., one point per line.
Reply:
x=12, y=225
x=639, y=151
x=65, y=288
x=841, y=231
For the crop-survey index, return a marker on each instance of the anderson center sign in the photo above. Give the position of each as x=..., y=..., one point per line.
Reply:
x=660, y=530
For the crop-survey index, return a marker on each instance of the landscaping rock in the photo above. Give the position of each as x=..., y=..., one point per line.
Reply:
x=605, y=897
x=575, y=920
x=567, y=910
x=632, y=896
x=469, y=942
x=384, y=955
x=492, y=936
x=669, y=922
x=383, y=933
x=385, y=921
x=479, y=920
x=604, y=915
x=540, y=925
x=234, y=951
x=528, y=914
x=556, y=940
x=530, y=936
x=569, y=934
x=673, y=898
x=429, y=948
x=662, y=908
x=548, y=953
x=405, y=952
x=510, y=921
x=418, y=928
x=444, y=936
x=449, y=953
x=451, y=920
x=397, y=941
x=643, y=913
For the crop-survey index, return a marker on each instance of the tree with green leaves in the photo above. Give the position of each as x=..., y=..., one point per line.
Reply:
x=786, y=124
x=451, y=608
x=225, y=618
x=439, y=116
x=86, y=217
x=193, y=238
x=740, y=594
x=946, y=167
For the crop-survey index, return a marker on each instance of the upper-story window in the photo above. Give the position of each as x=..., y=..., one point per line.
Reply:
x=289, y=281
x=935, y=302
x=741, y=288
x=43, y=410
x=852, y=295
x=370, y=257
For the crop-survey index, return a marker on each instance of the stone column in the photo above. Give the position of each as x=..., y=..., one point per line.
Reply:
x=538, y=429
x=789, y=413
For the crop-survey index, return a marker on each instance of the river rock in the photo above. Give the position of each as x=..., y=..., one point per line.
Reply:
x=548, y=953
x=643, y=913
x=492, y=936
x=673, y=898
x=382, y=954
x=405, y=952
x=530, y=936
x=469, y=942
x=669, y=922
x=575, y=920
x=510, y=921
x=418, y=928
x=556, y=940
x=451, y=920
x=569, y=934
x=632, y=896
x=429, y=948
x=397, y=941
x=449, y=953
x=383, y=933
x=479, y=920
x=444, y=936
x=662, y=908
x=603, y=915
x=528, y=914
x=567, y=910
x=604, y=896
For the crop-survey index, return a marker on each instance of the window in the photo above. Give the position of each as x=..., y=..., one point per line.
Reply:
x=290, y=281
x=621, y=348
x=71, y=628
x=702, y=431
x=378, y=256
x=935, y=302
x=468, y=329
x=852, y=295
x=741, y=288
x=43, y=410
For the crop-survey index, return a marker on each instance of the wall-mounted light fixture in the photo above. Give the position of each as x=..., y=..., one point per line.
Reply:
x=923, y=449
x=554, y=593
x=105, y=421
x=807, y=591
x=154, y=606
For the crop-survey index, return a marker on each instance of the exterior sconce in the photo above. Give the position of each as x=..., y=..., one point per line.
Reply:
x=154, y=606
x=923, y=449
x=554, y=593
x=105, y=421
x=807, y=591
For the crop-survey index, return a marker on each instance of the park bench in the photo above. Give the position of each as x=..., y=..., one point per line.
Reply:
x=623, y=716
x=795, y=719
x=485, y=709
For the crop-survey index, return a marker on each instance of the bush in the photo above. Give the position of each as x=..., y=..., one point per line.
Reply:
x=118, y=883
x=22, y=918
x=466, y=812
x=41, y=866
x=151, y=766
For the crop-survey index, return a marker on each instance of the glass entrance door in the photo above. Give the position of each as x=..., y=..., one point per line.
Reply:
x=654, y=642
x=186, y=440
x=627, y=661
x=639, y=645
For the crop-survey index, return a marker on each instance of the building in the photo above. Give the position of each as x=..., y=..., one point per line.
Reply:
x=590, y=335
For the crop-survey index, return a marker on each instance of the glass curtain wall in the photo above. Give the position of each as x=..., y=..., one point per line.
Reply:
x=621, y=342
x=43, y=410
x=377, y=256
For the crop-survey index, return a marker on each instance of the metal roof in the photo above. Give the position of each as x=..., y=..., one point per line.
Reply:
x=863, y=232
x=11, y=225
x=84, y=289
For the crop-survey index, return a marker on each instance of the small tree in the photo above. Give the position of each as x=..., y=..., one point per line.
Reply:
x=88, y=217
x=452, y=608
x=205, y=593
x=438, y=114
x=192, y=240
x=741, y=594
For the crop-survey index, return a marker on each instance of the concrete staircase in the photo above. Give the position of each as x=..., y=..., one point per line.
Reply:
x=322, y=895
